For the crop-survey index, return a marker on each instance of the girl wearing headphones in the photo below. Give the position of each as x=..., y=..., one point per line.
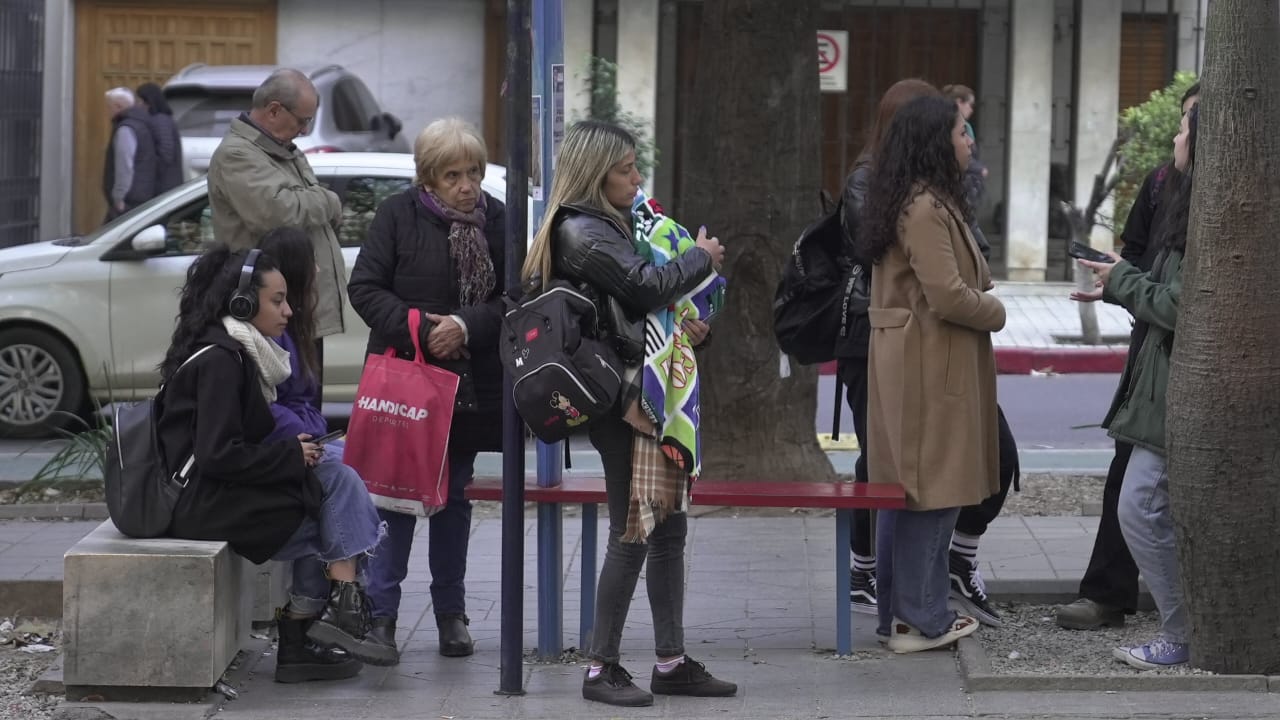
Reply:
x=270, y=499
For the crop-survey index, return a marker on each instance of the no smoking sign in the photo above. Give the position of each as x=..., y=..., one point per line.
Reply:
x=833, y=60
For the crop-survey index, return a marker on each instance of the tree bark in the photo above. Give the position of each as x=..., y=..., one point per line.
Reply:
x=1224, y=387
x=752, y=177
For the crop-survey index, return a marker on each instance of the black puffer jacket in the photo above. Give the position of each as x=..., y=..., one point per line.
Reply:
x=404, y=264
x=592, y=251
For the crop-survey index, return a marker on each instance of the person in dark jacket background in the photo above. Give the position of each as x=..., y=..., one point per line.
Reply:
x=967, y=587
x=1109, y=588
x=437, y=250
x=269, y=499
x=164, y=132
x=129, y=171
x=585, y=239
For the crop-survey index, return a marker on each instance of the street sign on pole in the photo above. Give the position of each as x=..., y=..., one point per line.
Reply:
x=833, y=60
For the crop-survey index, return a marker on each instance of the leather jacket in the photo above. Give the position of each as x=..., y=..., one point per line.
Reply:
x=590, y=250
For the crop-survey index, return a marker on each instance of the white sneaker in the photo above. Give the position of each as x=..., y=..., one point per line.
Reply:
x=906, y=639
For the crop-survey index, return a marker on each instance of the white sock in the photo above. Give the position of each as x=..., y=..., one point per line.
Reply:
x=668, y=666
x=864, y=563
x=594, y=671
x=965, y=546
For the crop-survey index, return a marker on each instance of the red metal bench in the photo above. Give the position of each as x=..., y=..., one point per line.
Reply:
x=589, y=492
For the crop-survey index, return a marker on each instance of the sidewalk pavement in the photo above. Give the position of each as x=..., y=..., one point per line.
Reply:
x=1042, y=332
x=759, y=611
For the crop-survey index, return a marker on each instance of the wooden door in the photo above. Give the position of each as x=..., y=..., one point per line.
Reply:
x=1146, y=60
x=122, y=43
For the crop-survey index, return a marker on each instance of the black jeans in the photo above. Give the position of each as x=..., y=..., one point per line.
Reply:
x=973, y=519
x=1112, y=576
x=664, y=551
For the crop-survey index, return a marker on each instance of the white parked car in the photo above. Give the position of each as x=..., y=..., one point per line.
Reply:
x=89, y=318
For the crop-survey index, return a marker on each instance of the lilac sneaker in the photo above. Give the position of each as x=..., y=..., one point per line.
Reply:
x=1158, y=653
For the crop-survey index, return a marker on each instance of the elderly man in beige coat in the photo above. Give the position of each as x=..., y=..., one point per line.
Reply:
x=259, y=180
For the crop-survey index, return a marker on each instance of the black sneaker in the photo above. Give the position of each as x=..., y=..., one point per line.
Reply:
x=613, y=686
x=345, y=624
x=690, y=678
x=862, y=591
x=969, y=593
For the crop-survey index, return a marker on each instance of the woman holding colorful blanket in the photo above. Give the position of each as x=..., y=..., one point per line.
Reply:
x=932, y=417
x=638, y=288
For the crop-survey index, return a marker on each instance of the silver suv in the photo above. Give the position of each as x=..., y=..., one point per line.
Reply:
x=205, y=98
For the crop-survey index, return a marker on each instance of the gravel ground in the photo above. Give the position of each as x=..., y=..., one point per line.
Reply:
x=19, y=668
x=1049, y=494
x=1030, y=643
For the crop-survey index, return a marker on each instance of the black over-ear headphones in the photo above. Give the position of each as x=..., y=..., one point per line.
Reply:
x=244, y=303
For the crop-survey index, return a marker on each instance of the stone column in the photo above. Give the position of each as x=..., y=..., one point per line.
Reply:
x=1030, y=135
x=57, y=132
x=638, y=31
x=1097, y=80
x=579, y=30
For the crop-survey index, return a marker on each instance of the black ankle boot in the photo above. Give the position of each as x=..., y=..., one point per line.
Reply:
x=300, y=660
x=455, y=641
x=383, y=632
x=345, y=624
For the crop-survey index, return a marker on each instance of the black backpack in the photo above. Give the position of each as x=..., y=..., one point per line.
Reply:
x=140, y=492
x=564, y=376
x=822, y=299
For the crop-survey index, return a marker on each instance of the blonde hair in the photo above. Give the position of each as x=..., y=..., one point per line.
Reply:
x=590, y=149
x=444, y=142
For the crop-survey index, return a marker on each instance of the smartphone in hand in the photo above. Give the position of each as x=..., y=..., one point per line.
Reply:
x=1079, y=250
x=328, y=437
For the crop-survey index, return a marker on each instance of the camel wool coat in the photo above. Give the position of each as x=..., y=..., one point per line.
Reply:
x=932, y=424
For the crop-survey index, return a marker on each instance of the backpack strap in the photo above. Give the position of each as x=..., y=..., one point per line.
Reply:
x=184, y=473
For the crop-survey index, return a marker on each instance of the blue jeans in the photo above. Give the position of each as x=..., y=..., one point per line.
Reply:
x=913, y=586
x=448, y=535
x=348, y=527
x=1146, y=520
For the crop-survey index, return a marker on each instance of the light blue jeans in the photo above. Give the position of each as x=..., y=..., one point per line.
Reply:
x=912, y=584
x=349, y=527
x=1146, y=521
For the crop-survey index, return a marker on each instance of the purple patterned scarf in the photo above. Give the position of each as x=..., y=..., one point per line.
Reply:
x=467, y=247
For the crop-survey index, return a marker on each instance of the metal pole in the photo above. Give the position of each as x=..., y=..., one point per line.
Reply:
x=511, y=646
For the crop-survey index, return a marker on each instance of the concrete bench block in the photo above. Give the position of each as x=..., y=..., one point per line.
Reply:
x=270, y=589
x=157, y=613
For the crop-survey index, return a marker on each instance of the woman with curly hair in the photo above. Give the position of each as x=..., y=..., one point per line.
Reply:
x=270, y=497
x=931, y=371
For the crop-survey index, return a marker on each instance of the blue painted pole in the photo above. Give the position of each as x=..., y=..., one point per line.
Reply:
x=511, y=636
x=547, y=53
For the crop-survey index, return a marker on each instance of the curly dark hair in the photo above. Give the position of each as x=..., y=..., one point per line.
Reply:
x=1175, y=201
x=917, y=150
x=211, y=281
x=291, y=249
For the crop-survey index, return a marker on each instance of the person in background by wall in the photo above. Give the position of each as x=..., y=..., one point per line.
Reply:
x=164, y=131
x=129, y=172
x=975, y=177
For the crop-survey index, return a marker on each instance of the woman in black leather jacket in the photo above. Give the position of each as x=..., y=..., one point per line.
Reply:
x=586, y=241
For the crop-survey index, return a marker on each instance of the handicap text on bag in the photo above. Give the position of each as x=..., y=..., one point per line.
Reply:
x=398, y=436
x=140, y=492
x=563, y=375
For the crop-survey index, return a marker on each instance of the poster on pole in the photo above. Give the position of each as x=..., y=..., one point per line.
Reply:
x=833, y=60
x=535, y=149
x=557, y=111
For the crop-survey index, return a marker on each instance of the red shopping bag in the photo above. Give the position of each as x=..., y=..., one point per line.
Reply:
x=398, y=437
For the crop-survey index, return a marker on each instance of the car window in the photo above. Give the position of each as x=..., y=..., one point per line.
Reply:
x=189, y=231
x=199, y=113
x=354, y=108
x=361, y=197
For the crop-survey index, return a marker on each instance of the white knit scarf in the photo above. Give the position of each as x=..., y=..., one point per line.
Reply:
x=271, y=359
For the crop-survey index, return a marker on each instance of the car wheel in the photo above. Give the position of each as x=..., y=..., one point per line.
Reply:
x=41, y=384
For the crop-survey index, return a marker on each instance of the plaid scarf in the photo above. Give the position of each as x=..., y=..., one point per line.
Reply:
x=467, y=247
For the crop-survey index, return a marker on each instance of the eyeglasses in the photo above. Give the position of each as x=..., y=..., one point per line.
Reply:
x=304, y=123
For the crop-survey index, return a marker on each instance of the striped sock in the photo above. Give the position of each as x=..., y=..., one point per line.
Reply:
x=864, y=563
x=965, y=546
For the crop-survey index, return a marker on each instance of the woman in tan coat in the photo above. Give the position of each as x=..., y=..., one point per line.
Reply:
x=932, y=422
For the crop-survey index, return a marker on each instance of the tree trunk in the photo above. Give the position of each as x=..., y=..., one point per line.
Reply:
x=1224, y=388
x=752, y=177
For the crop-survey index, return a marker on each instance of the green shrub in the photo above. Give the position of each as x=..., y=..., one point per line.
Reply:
x=602, y=83
x=1148, y=131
